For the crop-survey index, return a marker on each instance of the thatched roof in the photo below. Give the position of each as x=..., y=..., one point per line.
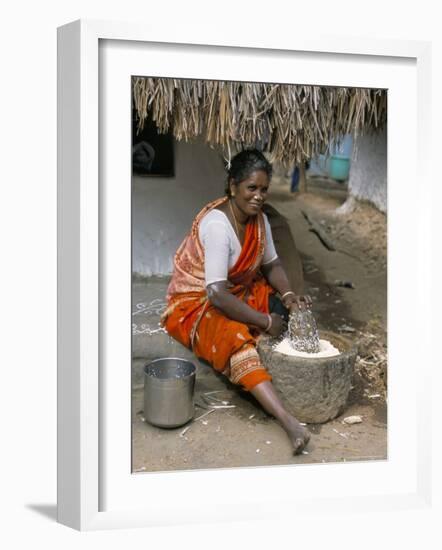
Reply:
x=292, y=123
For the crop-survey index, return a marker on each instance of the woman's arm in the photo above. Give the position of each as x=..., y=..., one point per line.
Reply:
x=215, y=238
x=238, y=310
x=277, y=278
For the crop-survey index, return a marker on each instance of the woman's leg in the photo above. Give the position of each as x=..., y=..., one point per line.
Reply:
x=265, y=394
x=217, y=339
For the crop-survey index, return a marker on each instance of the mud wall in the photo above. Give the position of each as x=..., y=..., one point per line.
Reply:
x=368, y=170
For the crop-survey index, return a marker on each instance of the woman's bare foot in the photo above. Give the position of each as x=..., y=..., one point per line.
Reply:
x=298, y=435
x=265, y=394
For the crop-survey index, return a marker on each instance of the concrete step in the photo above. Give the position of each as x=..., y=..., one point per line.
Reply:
x=149, y=340
x=157, y=345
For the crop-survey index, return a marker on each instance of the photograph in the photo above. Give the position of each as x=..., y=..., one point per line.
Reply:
x=152, y=152
x=259, y=274
x=231, y=240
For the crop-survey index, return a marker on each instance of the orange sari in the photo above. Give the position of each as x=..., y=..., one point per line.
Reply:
x=228, y=345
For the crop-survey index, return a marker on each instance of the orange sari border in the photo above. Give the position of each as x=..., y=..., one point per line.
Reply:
x=246, y=368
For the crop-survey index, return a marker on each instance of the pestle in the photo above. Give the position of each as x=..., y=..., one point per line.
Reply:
x=302, y=331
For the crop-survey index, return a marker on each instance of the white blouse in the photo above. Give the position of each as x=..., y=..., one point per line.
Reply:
x=222, y=247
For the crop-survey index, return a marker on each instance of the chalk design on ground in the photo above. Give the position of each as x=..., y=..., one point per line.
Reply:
x=155, y=307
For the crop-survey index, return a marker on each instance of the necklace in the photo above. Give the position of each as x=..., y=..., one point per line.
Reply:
x=234, y=218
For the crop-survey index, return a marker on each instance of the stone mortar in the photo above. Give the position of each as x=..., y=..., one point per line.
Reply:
x=313, y=390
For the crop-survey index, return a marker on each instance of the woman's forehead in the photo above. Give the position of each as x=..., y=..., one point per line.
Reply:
x=257, y=176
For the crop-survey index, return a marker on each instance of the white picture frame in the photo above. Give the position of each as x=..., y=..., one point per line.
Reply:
x=82, y=451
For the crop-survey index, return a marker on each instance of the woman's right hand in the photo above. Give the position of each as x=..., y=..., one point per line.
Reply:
x=278, y=325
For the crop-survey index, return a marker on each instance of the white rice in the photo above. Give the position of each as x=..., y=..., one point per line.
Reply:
x=326, y=349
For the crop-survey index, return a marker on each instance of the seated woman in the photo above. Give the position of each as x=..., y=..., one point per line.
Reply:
x=222, y=292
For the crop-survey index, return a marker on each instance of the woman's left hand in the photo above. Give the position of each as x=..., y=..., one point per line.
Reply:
x=298, y=302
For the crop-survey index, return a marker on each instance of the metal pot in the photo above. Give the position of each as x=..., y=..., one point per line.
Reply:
x=168, y=392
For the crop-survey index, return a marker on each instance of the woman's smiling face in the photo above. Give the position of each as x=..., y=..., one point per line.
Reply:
x=250, y=194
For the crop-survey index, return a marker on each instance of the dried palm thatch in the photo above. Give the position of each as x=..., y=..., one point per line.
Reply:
x=292, y=123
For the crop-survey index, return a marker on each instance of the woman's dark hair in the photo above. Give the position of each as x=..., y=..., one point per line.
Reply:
x=245, y=163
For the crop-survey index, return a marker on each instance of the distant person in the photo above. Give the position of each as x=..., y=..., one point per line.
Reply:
x=224, y=287
x=294, y=184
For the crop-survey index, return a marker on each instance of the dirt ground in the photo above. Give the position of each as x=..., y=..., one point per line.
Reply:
x=348, y=286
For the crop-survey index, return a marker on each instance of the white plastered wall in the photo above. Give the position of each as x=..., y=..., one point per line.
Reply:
x=163, y=208
x=368, y=172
